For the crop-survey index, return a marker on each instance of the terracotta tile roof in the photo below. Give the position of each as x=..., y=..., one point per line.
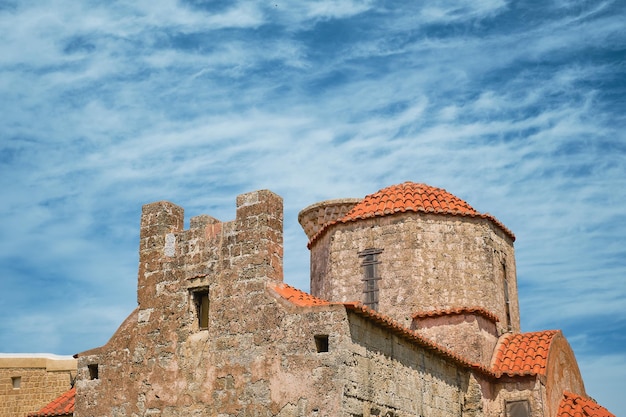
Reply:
x=410, y=197
x=297, y=297
x=457, y=311
x=415, y=337
x=574, y=405
x=61, y=406
x=519, y=354
x=523, y=353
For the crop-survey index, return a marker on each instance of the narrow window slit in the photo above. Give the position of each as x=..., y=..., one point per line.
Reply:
x=321, y=343
x=93, y=371
x=370, y=277
x=201, y=302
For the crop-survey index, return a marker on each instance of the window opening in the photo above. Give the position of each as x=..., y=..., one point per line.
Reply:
x=201, y=300
x=518, y=408
x=93, y=371
x=321, y=343
x=507, y=301
x=16, y=381
x=370, y=277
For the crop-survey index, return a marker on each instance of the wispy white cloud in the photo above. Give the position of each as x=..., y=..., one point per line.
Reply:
x=110, y=106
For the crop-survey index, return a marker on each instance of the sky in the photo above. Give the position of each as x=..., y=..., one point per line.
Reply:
x=517, y=107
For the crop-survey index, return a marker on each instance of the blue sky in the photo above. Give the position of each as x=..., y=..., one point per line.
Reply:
x=518, y=107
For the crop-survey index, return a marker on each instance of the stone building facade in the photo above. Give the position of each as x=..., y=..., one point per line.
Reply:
x=30, y=381
x=413, y=312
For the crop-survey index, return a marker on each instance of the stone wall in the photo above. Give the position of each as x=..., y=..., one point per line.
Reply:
x=27, y=383
x=428, y=262
x=389, y=376
x=315, y=216
x=471, y=335
x=259, y=354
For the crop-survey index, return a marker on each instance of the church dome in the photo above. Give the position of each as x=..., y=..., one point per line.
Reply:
x=410, y=197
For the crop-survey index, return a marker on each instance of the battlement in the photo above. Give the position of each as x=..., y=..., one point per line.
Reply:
x=168, y=253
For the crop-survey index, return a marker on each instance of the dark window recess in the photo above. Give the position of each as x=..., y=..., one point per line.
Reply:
x=321, y=343
x=370, y=277
x=518, y=408
x=201, y=300
x=507, y=299
x=93, y=371
x=16, y=381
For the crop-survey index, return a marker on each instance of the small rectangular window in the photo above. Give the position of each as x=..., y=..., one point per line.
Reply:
x=321, y=343
x=518, y=408
x=93, y=371
x=201, y=301
x=16, y=381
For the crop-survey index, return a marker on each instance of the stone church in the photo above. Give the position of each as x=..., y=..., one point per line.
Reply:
x=413, y=311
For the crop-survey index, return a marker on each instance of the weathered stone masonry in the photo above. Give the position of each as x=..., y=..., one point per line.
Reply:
x=217, y=333
x=28, y=382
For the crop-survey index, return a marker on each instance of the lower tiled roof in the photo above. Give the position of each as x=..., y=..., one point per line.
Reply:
x=574, y=405
x=457, y=311
x=523, y=353
x=298, y=297
x=60, y=406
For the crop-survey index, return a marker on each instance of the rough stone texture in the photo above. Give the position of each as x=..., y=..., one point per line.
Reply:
x=259, y=353
x=42, y=379
x=429, y=262
x=472, y=336
x=389, y=376
x=317, y=215
x=562, y=374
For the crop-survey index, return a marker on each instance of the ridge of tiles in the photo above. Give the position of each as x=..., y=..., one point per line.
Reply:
x=524, y=353
x=410, y=197
x=303, y=299
x=415, y=337
x=60, y=406
x=298, y=297
x=480, y=311
x=518, y=354
x=574, y=405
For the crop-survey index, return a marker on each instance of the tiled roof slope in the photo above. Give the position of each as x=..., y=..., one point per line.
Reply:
x=395, y=327
x=410, y=197
x=297, y=297
x=574, y=405
x=517, y=355
x=303, y=299
x=61, y=406
x=523, y=353
x=457, y=311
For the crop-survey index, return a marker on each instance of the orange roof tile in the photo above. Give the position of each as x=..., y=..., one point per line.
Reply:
x=61, y=406
x=457, y=311
x=415, y=337
x=518, y=354
x=297, y=297
x=574, y=405
x=524, y=353
x=303, y=299
x=410, y=197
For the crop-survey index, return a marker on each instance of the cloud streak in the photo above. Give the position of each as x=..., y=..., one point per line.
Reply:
x=519, y=110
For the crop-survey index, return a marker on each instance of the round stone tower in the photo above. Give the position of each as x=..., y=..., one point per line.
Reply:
x=420, y=255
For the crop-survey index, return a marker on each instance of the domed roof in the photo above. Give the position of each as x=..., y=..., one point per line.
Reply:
x=410, y=197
